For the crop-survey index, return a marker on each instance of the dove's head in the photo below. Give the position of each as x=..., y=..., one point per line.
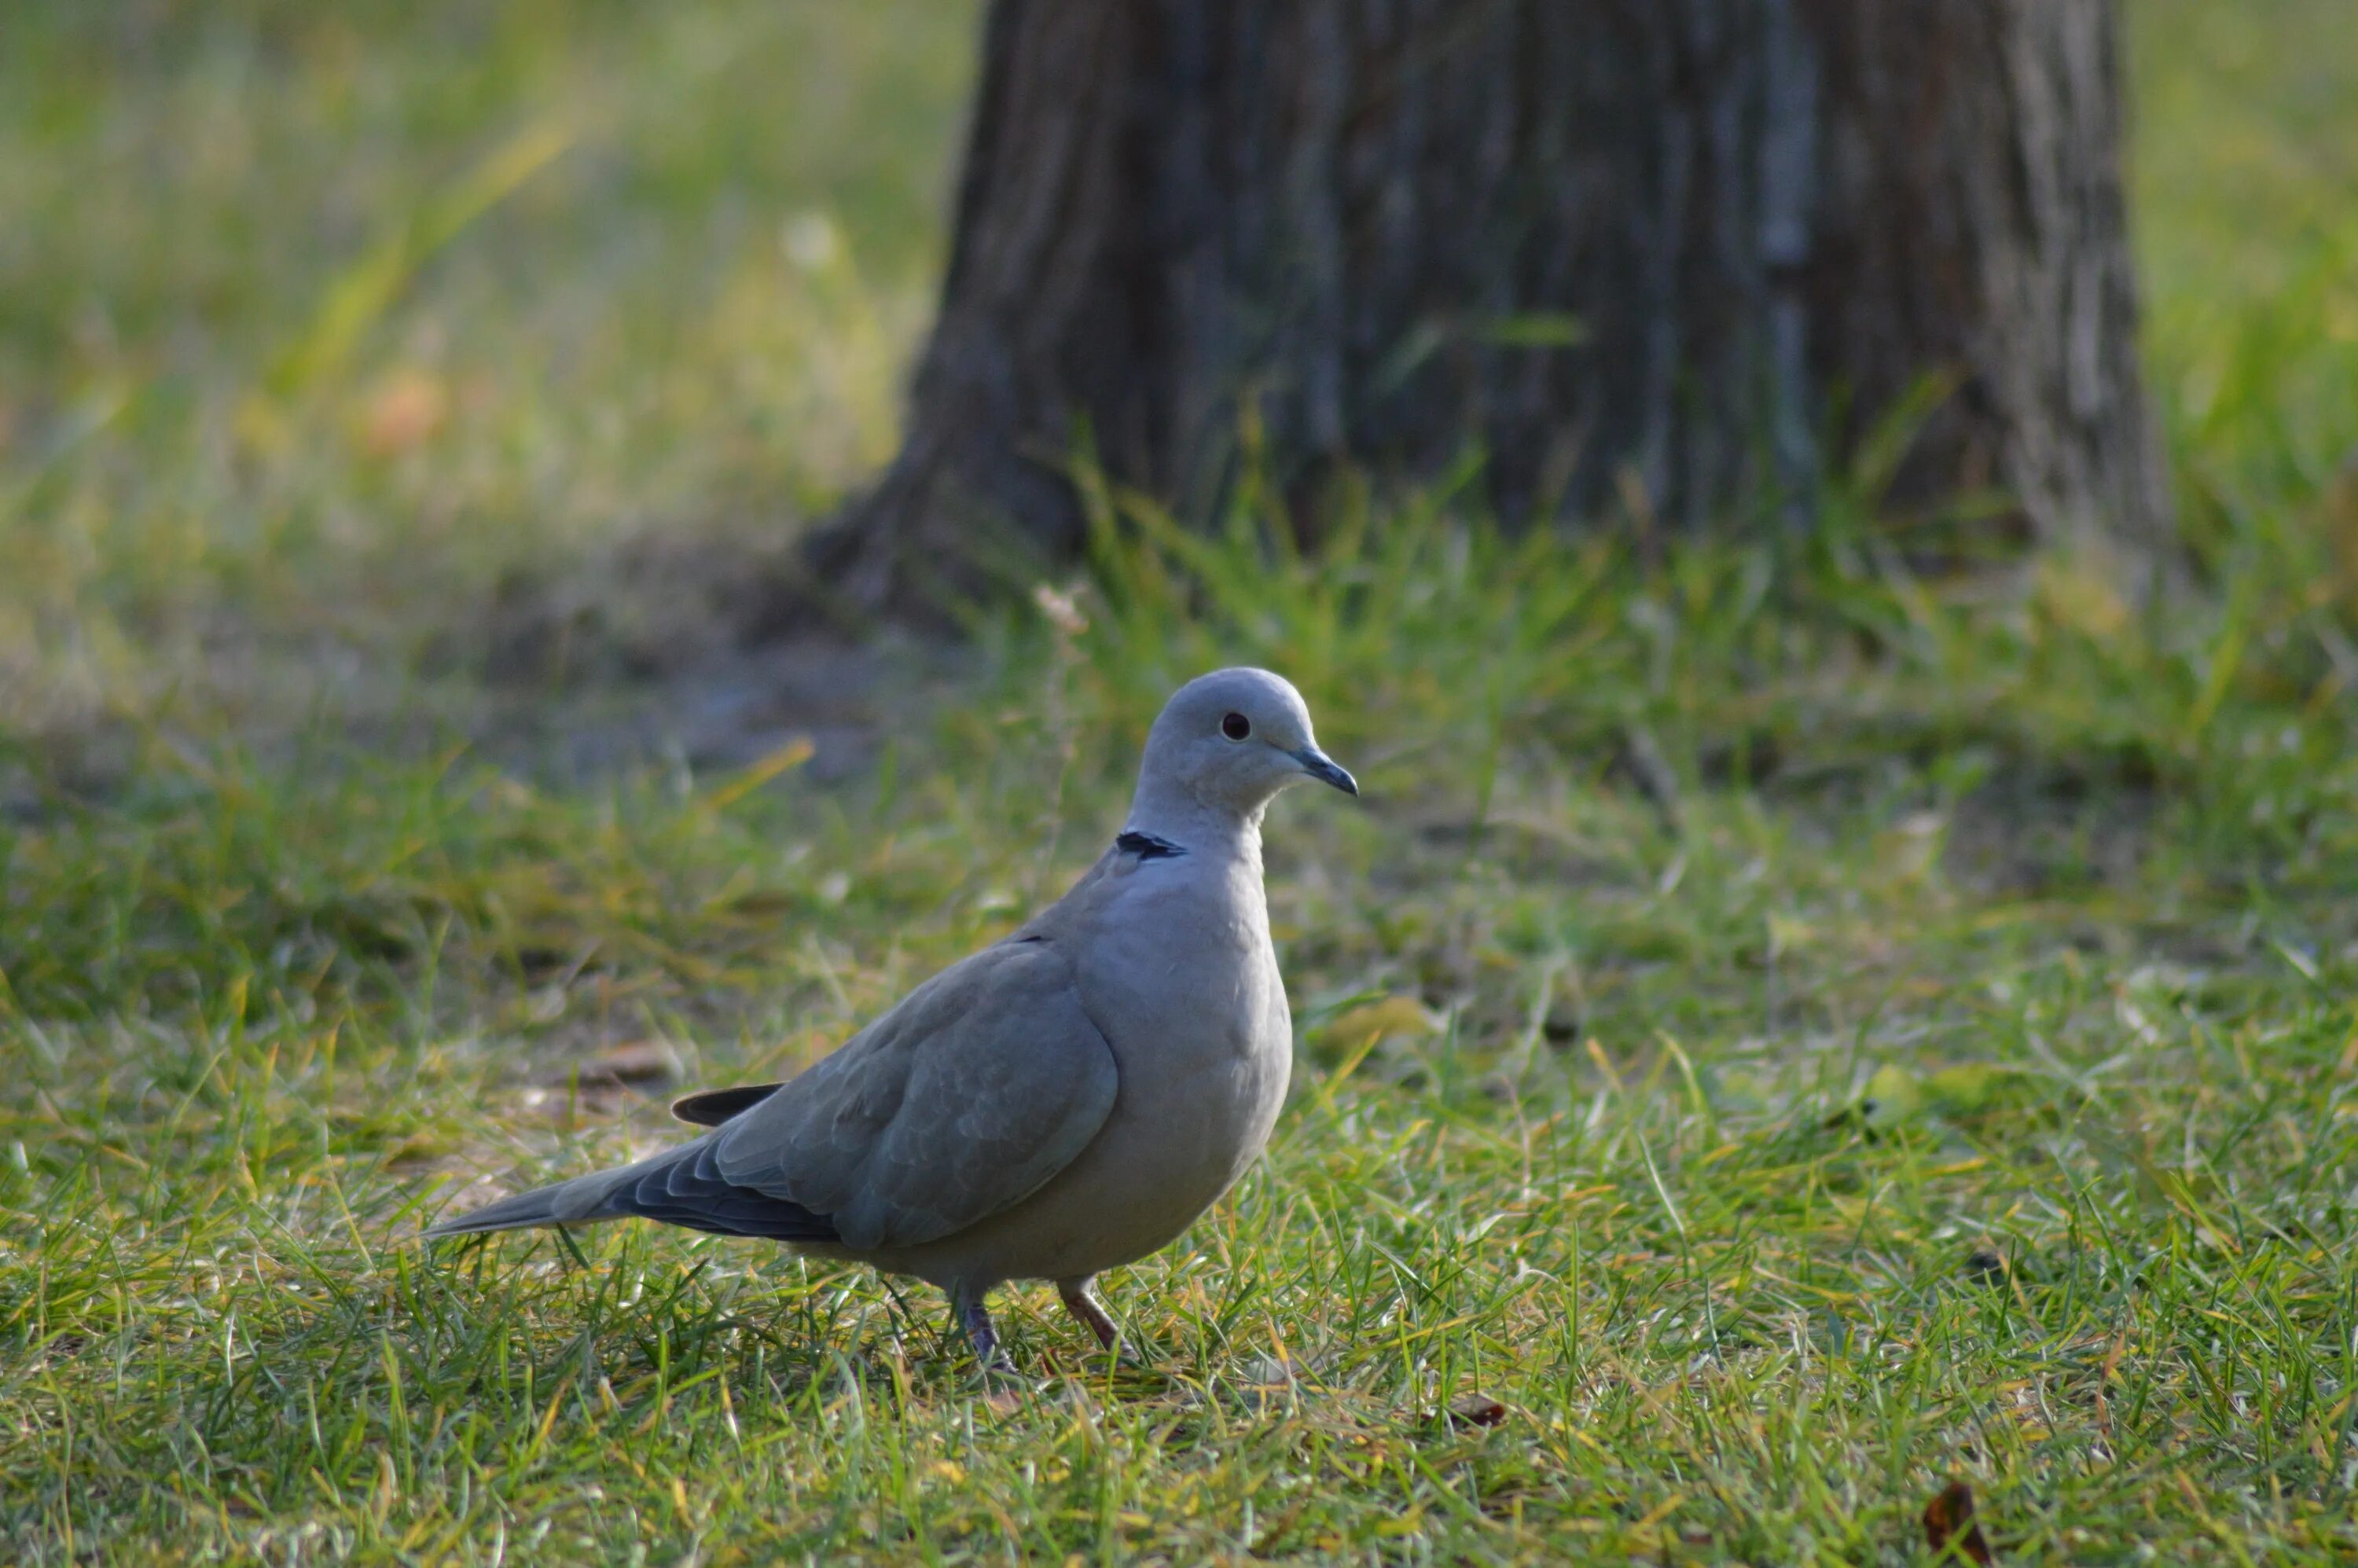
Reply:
x=1226, y=744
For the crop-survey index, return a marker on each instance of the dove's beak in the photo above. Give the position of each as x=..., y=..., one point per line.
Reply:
x=1325, y=770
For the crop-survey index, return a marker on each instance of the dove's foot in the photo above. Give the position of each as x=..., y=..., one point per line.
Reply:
x=1082, y=1304
x=975, y=1318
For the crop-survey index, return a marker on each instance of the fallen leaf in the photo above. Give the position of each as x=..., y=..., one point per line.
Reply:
x=1474, y=1408
x=403, y=411
x=1949, y=1520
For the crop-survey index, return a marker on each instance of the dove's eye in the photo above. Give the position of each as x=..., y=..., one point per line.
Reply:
x=1236, y=727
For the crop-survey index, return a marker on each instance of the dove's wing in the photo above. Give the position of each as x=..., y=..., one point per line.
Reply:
x=982, y=1084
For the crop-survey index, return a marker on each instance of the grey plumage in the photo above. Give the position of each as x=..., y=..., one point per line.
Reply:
x=1060, y=1103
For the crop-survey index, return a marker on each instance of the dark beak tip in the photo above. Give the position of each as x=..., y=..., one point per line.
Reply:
x=1325, y=770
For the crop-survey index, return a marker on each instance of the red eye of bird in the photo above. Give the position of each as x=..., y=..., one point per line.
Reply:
x=1236, y=727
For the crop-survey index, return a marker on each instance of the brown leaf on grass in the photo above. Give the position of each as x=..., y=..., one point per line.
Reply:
x=403, y=411
x=1948, y=1519
x=1474, y=1408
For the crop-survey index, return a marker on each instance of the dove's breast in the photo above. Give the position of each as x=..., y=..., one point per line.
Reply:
x=1177, y=972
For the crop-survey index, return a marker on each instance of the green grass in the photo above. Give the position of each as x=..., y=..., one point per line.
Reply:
x=1949, y=1075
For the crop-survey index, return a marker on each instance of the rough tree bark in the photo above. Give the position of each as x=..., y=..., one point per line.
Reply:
x=1379, y=219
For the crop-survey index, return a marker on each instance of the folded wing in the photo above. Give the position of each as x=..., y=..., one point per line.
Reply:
x=981, y=1086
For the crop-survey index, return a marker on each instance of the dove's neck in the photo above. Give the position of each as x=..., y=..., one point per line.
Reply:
x=1211, y=830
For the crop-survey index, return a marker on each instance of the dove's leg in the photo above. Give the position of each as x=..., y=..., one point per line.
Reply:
x=975, y=1318
x=1082, y=1304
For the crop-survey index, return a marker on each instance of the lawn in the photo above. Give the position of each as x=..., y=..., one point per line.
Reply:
x=1781, y=1034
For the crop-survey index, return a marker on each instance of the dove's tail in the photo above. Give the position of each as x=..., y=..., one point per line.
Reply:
x=578, y=1202
x=678, y=1186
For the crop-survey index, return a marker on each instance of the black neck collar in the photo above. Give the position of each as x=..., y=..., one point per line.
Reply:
x=1147, y=847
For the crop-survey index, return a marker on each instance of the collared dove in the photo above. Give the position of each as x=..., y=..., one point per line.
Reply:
x=1065, y=1101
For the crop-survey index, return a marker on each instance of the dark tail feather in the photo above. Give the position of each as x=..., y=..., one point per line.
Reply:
x=680, y=1186
x=713, y=1107
x=689, y=1190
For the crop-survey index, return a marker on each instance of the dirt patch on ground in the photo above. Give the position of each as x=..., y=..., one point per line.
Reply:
x=651, y=655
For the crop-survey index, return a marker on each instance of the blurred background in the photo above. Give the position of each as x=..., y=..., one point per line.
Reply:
x=361, y=345
x=358, y=353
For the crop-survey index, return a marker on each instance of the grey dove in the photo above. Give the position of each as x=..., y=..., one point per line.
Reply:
x=1065, y=1100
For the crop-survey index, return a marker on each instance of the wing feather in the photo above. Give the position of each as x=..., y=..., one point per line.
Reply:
x=964, y=1100
x=689, y=1190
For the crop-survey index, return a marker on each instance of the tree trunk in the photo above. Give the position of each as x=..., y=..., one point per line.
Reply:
x=1674, y=257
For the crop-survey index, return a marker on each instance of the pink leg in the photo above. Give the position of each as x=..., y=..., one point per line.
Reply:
x=1082, y=1304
